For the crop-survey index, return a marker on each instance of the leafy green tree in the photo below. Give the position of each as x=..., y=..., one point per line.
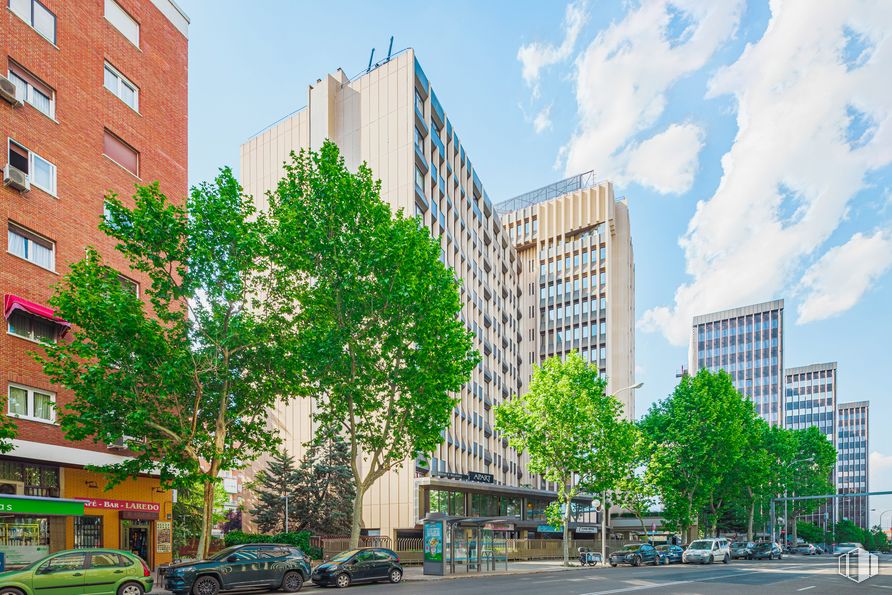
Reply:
x=876, y=539
x=809, y=472
x=185, y=372
x=845, y=530
x=698, y=438
x=8, y=428
x=270, y=486
x=381, y=346
x=572, y=431
x=324, y=489
x=187, y=513
x=811, y=532
x=633, y=491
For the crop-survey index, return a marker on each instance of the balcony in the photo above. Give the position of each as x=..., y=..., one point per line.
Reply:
x=487, y=374
x=487, y=400
x=487, y=458
x=487, y=348
x=504, y=312
x=487, y=320
x=487, y=429
x=487, y=292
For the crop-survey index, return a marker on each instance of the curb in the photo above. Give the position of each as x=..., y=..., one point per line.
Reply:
x=449, y=577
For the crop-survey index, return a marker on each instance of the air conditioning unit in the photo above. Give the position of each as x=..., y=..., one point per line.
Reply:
x=16, y=178
x=9, y=487
x=118, y=445
x=9, y=91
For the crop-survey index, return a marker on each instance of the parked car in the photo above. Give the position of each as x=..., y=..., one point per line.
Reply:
x=819, y=549
x=72, y=572
x=846, y=547
x=742, y=549
x=362, y=565
x=635, y=554
x=256, y=565
x=769, y=550
x=672, y=553
x=805, y=549
x=707, y=551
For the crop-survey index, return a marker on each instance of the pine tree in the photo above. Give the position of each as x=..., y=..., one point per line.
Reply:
x=270, y=486
x=324, y=490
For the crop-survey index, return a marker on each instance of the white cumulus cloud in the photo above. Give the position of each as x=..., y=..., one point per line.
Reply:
x=843, y=274
x=813, y=116
x=667, y=162
x=622, y=78
x=542, y=121
x=536, y=56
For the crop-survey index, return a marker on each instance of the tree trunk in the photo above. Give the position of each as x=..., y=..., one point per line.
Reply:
x=644, y=529
x=567, y=533
x=357, y=516
x=207, y=515
x=749, y=525
x=795, y=518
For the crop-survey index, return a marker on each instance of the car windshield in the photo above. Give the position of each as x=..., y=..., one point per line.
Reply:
x=700, y=545
x=344, y=556
x=763, y=546
x=631, y=547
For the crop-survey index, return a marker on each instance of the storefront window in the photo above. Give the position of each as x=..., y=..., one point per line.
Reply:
x=439, y=501
x=484, y=505
x=457, y=503
x=536, y=509
x=510, y=506
x=27, y=539
x=87, y=531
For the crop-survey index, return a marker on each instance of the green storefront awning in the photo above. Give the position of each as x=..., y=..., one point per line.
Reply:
x=41, y=506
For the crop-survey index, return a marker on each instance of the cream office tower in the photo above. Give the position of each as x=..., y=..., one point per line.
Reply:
x=391, y=119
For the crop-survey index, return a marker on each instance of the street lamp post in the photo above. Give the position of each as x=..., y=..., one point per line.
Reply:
x=881, y=516
x=604, y=508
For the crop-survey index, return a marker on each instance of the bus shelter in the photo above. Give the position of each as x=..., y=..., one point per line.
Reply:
x=463, y=544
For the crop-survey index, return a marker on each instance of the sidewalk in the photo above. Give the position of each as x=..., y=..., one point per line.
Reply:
x=414, y=573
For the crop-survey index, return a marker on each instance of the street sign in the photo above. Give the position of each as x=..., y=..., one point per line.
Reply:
x=586, y=529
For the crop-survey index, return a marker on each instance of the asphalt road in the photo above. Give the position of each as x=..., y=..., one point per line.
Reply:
x=810, y=575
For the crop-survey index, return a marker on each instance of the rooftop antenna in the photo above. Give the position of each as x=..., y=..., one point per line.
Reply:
x=389, y=49
x=372, y=57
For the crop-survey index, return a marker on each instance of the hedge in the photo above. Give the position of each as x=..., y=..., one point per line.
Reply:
x=299, y=539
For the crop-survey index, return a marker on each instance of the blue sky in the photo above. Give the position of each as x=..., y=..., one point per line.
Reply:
x=753, y=142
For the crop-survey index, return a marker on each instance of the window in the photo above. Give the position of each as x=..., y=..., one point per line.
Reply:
x=31, y=403
x=129, y=284
x=118, y=84
x=34, y=328
x=36, y=14
x=41, y=172
x=32, y=90
x=122, y=21
x=88, y=533
x=419, y=178
x=121, y=153
x=31, y=247
x=63, y=563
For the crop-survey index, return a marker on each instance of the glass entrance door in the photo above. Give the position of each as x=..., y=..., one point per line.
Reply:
x=136, y=538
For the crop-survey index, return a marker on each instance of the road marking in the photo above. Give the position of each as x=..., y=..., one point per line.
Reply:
x=806, y=588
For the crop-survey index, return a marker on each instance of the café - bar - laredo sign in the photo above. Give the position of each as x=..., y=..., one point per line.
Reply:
x=122, y=505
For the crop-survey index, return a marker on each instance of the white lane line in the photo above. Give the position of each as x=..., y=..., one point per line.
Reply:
x=806, y=588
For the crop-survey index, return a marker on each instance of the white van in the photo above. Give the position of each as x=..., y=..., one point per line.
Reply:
x=707, y=551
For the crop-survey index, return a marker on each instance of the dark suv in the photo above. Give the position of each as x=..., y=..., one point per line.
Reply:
x=635, y=554
x=256, y=565
x=362, y=565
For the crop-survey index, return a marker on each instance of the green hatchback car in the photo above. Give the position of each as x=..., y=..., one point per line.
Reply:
x=77, y=572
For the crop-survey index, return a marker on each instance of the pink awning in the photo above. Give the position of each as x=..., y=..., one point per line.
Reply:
x=12, y=303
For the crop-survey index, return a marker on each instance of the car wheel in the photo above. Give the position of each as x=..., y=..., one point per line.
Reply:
x=292, y=582
x=711, y=559
x=342, y=580
x=396, y=575
x=10, y=591
x=613, y=564
x=636, y=561
x=131, y=589
x=726, y=559
x=206, y=585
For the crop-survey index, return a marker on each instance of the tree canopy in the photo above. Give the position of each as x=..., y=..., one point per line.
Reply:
x=381, y=342
x=571, y=429
x=183, y=370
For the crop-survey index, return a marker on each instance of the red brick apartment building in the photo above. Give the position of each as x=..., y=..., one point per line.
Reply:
x=92, y=99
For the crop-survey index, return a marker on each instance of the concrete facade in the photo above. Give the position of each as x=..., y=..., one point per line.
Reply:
x=852, y=468
x=578, y=280
x=810, y=400
x=391, y=119
x=97, y=80
x=748, y=343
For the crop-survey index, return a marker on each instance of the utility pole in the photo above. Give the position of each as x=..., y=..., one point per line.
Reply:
x=286, y=513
